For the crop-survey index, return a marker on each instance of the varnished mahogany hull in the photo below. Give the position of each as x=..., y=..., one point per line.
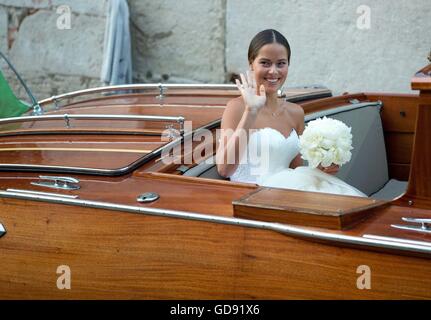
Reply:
x=121, y=255
x=124, y=255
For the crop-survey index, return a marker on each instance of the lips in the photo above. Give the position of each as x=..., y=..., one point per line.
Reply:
x=272, y=81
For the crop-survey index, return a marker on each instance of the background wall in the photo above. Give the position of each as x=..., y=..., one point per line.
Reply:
x=334, y=42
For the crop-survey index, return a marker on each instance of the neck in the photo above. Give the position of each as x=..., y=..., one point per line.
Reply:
x=272, y=101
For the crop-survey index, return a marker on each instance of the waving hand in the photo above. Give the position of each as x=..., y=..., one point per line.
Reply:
x=253, y=99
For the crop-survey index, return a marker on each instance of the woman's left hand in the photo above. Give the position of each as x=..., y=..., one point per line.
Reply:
x=332, y=169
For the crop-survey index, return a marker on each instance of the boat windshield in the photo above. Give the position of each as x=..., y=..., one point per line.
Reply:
x=10, y=105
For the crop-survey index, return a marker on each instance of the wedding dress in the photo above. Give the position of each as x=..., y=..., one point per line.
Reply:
x=266, y=161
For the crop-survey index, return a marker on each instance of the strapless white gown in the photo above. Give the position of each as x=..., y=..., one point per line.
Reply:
x=266, y=162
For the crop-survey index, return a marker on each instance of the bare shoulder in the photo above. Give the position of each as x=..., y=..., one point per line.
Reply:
x=233, y=113
x=295, y=110
x=296, y=113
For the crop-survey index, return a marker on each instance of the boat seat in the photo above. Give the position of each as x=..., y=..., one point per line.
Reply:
x=392, y=189
x=205, y=170
x=368, y=168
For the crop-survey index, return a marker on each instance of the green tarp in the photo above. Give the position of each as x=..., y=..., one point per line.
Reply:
x=10, y=106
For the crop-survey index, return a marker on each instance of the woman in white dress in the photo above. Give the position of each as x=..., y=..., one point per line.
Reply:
x=259, y=138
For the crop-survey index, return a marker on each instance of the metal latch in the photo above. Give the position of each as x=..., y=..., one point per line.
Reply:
x=425, y=225
x=63, y=183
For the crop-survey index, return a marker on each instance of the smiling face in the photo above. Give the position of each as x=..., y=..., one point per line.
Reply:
x=271, y=67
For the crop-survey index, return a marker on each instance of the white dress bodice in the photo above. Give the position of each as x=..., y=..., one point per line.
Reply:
x=268, y=151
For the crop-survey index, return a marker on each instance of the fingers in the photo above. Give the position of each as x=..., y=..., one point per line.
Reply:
x=250, y=79
x=239, y=86
x=244, y=81
x=247, y=81
x=332, y=169
x=262, y=91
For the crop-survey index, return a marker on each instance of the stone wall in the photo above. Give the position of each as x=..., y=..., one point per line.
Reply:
x=178, y=40
x=194, y=41
x=51, y=56
x=331, y=44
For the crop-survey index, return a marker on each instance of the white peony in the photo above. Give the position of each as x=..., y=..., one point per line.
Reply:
x=326, y=141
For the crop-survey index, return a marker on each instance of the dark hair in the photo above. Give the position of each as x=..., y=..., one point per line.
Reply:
x=266, y=37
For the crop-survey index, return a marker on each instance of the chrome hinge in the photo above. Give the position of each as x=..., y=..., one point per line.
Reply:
x=161, y=95
x=425, y=225
x=63, y=183
x=37, y=110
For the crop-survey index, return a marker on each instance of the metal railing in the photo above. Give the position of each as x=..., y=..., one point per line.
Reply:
x=68, y=117
x=126, y=88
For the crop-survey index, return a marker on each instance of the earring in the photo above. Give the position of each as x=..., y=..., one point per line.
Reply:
x=280, y=93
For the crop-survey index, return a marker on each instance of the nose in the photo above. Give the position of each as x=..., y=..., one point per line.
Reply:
x=273, y=69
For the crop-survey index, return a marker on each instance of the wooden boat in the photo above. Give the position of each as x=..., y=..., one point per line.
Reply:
x=85, y=193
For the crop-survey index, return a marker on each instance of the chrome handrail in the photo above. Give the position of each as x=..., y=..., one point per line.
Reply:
x=42, y=193
x=67, y=117
x=160, y=87
x=125, y=87
x=286, y=229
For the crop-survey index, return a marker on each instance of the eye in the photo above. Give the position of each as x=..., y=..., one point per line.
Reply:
x=265, y=63
x=281, y=64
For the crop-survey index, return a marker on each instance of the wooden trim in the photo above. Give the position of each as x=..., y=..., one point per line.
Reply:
x=329, y=103
x=422, y=79
x=399, y=115
x=195, y=180
x=399, y=171
x=419, y=187
x=399, y=147
x=311, y=209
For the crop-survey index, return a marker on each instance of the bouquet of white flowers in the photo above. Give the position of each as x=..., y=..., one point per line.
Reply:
x=326, y=141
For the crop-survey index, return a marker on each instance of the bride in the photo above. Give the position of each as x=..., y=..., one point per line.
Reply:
x=259, y=140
